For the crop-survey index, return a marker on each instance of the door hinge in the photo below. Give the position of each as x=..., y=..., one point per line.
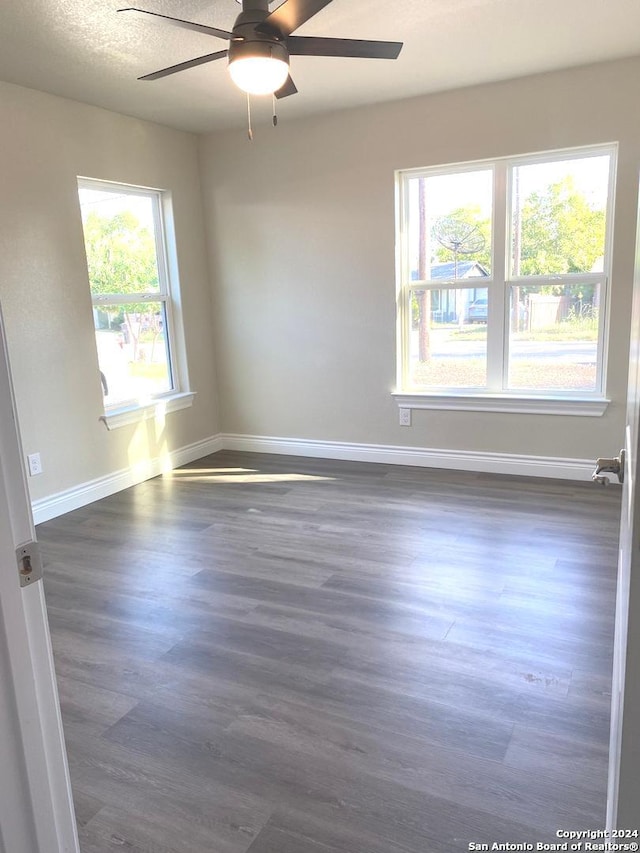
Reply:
x=29, y=563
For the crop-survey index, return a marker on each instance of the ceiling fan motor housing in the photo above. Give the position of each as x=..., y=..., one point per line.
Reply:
x=251, y=41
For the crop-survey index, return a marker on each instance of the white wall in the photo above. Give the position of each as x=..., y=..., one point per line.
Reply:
x=301, y=242
x=46, y=143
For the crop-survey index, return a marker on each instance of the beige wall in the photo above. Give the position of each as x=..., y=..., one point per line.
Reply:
x=46, y=143
x=300, y=236
x=301, y=241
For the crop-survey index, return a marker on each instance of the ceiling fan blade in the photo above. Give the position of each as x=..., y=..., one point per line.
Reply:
x=182, y=66
x=178, y=22
x=288, y=88
x=314, y=46
x=293, y=13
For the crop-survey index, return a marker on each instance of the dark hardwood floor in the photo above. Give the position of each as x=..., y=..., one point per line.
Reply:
x=284, y=655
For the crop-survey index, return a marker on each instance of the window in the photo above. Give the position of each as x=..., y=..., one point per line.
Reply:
x=503, y=280
x=132, y=306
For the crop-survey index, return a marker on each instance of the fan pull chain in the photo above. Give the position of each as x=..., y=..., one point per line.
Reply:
x=250, y=131
x=275, y=117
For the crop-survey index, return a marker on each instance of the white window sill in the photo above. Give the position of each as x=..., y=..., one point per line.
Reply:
x=593, y=407
x=144, y=411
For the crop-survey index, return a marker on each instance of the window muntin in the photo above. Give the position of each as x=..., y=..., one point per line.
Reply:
x=126, y=261
x=573, y=189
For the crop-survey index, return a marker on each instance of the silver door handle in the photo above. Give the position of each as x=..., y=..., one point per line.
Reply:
x=607, y=465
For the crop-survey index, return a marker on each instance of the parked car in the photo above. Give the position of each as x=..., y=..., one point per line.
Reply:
x=478, y=310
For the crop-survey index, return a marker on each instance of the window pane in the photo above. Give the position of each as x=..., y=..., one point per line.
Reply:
x=559, y=216
x=132, y=351
x=450, y=225
x=119, y=236
x=553, y=340
x=448, y=343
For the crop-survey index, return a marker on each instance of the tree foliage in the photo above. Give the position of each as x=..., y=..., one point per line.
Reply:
x=556, y=231
x=121, y=254
x=560, y=232
x=121, y=259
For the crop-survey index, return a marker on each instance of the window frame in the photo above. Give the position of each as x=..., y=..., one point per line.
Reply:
x=496, y=395
x=177, y=396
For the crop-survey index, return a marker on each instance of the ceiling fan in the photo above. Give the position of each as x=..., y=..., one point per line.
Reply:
x=261, y=43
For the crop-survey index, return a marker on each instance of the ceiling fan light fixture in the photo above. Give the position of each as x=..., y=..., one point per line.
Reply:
x=259, y=75
x=258, y=66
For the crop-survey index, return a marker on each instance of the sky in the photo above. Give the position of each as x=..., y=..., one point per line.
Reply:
x=110, y=203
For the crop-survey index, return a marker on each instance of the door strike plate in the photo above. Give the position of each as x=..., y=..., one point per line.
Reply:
x=29, y=563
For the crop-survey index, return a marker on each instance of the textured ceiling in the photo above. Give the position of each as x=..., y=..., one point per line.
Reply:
x=84, y=50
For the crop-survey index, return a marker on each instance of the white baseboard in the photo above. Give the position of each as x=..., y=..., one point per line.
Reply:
x=86, y=493
x=459, y=460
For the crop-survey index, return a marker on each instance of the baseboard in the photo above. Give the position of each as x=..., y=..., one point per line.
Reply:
x=460, y=460
x=86, y=493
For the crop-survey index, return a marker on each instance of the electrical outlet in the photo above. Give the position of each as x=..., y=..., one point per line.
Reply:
x=405, y=417
x=35, y=464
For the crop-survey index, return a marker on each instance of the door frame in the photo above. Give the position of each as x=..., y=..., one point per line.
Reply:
x=36, y=808
x=623, y=794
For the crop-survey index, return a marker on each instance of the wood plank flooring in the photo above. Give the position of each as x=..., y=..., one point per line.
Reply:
x=263, y=654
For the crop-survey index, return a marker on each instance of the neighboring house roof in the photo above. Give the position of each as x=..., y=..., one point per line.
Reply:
x=447, y=271
x=466, y=269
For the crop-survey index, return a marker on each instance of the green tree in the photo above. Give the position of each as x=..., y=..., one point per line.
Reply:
x=121, y=254
x=556, y=231
x=121, y=259
x=560, y=232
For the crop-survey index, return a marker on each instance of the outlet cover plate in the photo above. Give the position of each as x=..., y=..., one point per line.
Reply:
x=35, y=464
